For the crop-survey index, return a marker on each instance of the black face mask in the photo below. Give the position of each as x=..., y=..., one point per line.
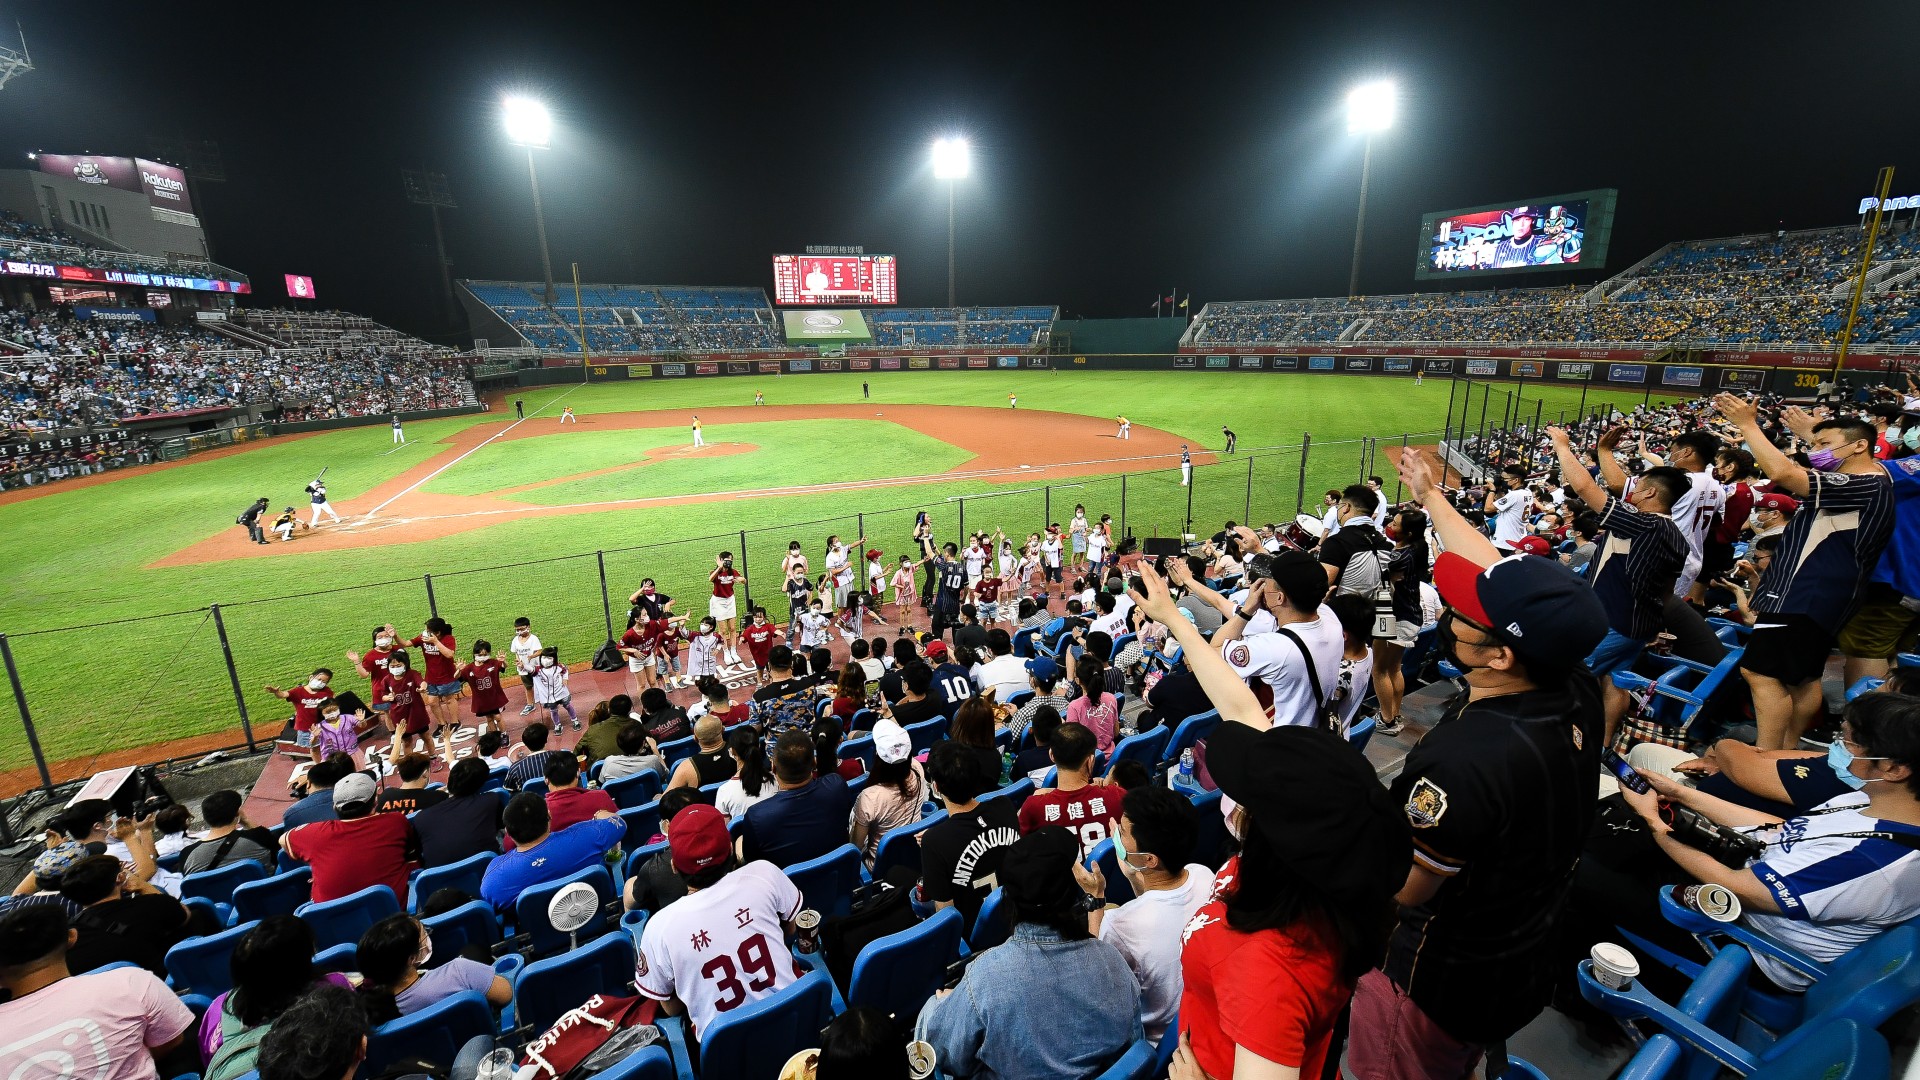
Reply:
x=1449, y=644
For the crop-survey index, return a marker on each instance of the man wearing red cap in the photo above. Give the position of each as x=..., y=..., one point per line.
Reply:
x=1500, y=799
x=1770, y=513
x=722, y=945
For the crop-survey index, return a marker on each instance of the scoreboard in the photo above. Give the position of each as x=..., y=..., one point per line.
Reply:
x=835, y=279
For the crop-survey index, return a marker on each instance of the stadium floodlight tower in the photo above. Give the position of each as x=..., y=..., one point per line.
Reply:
x=951, y=162
x=1370, y=108
x=530, y=125
x=15, y=62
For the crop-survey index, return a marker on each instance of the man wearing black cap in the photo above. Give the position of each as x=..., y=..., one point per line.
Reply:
x=1500, y=795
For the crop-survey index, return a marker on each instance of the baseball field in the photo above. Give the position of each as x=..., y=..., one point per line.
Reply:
x=109, y=581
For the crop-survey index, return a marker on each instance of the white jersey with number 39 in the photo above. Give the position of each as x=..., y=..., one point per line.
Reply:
x=720, y=948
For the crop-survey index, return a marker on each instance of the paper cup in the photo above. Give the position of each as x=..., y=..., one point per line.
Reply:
x=1613, y=966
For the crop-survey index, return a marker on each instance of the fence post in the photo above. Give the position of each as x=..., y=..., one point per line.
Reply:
x=1046, y=506
x=233, y=675
x=1536, y=416
x=1446, y=433
x=433, y=608
x=860, y=521
x=743, y=568
x=606, y=602
x=26, y=718
x=963, y=517
x=1246, y=516
x=1403, y=453
x=1300, y=494
x=1583, y=390
x=1123, y=504
x=1193, y=481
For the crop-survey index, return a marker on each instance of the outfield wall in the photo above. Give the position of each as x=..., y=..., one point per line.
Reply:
x=296, y=427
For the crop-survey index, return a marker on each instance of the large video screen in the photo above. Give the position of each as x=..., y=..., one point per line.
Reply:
x=1558, y=233
x=815, y=327
x=835, y=279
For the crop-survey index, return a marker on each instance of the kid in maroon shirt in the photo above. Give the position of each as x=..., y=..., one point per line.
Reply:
x=483, y=677
x=759, y=636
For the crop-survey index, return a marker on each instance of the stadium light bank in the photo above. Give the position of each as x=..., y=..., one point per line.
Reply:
x=529, y=124
x=1370, y=108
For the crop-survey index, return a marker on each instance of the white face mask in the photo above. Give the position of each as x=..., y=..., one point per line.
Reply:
x=397, y=669
x=384, y=642
x=479, y=658
x=316, y=684
x=546, y=661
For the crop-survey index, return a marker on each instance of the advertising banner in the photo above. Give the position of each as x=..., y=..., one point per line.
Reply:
x=1397, y=363
x=1007, y=361
x=915, y=363
x=1036, y=361
x=1528, y=369
x=639, y=371
x=738, y=368
x=799, y=365
x=1483, y=367
x=1359, y=363
x=862, y=364
x=114, y=172
x=809, y=327
x=950, y=363
x=1319, y=363
x=165, y=185
x=299, y=286
x=706, y=369
x=1681, y=376
x=1286, y=363
x=1627, y=373
x=1440, y=365
x=769, y=367
x=100, y=314
x=978, y=361
x=1219, y=361
x=673, y=369
x=1743, y=378
x=1183, y=361
x=834, y=364
x=1573, y=372
x=892, y=363
x=1250, y=363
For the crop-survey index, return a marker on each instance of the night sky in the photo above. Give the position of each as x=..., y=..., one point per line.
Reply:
x=1120, y=151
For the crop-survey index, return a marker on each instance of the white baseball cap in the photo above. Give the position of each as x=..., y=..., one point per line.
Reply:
x=891, y=743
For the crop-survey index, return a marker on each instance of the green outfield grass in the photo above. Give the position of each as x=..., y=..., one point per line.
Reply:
x=83, y=556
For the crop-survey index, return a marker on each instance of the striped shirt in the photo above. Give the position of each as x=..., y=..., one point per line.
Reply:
x=1829, y=548
x=1639, y=558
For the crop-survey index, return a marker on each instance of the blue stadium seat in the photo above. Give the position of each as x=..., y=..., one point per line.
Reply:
x=1104, y=859
x=200, y=964
x=643, y=824
x=638, y=857
x=1682, y=691
x=1169, y=1042
x=471, y=924
x=435, y=1033
x=1016, y=791
x=648, y=1063
x=1361, y=733
x=1148, y=748
x=535, y=786
x=337, y=922
x=337, y=958
x=901, y=847
x=1187, y=732
x=464, y=876
x=548, y=988
x=1135, y=1064
x=638, y=789
x=677, y=751
x=217, y=885
x=757, y=1039
x=1023, y=642
x=899, y=972
x=993, y=925
x=927, y=732
x=281, y=894
x=827, y=883
x=530, y=911
x=861, y=748
x=1210, y=846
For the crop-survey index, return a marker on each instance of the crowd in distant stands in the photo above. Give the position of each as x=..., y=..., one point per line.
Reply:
x=16, y=232
x=1755, y=290
x=82, y=373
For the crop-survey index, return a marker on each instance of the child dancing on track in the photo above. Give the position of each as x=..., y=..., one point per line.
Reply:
x=703, y=651
x=903, y=589
x=482, y=677
x=406, y=706
x=667, y=634
x=550, y=689
x=759, y=635
x=813, y=624
x=637, y=647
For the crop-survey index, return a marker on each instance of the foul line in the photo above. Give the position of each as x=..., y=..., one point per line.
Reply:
x=416, y=484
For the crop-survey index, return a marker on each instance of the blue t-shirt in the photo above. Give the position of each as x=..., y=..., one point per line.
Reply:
x=568, y=851
x=1900, y=563
x=315, y=807
x=804, y=823
x=1829, y=548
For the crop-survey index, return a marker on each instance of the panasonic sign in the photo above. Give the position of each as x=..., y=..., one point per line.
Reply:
x=1905, y=202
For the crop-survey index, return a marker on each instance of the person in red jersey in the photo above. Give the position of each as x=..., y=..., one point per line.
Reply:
x=1305, y=909
x=721, y=605
x=436, y=644
x=760, y=635
x=637, y=647
x=359, y=848
x=408, y=706
x=482, y=677
x=666, y=633
x=1090, y=809
x=306, y=700
x=374, y=663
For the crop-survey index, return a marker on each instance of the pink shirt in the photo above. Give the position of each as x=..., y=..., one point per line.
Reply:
x=1103, y=718
x=91, y=1027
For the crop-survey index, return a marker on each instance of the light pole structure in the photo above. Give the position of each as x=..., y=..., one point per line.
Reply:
x=530, y=125
x=951, y=162
x=1370, y=108
x=429, y=189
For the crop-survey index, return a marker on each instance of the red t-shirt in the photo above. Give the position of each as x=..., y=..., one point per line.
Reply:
x=306, y=706
x=439, y=665
x=759, y=641
x=663, y=636
x=1734, y=517
x=1275, y=992
x=723, y=579
x=409, y=712
x=1092, y=812
x=988, y=591
x=735, y=713
x=374, y=663
x=637, y=641
x=348, y=856
x=484, y=677
x=571, y=806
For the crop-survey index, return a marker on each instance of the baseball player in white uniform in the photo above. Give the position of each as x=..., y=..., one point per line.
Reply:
x=317, y=493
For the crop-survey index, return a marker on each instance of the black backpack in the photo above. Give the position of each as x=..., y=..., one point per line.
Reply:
x=608, y=658
x=883, y=909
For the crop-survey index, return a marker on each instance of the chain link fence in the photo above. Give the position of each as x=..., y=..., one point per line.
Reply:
x=198, y=676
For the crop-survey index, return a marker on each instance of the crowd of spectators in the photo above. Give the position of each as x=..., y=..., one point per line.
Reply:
x=94, y=373
x=27, y=241
x=1751, y=291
